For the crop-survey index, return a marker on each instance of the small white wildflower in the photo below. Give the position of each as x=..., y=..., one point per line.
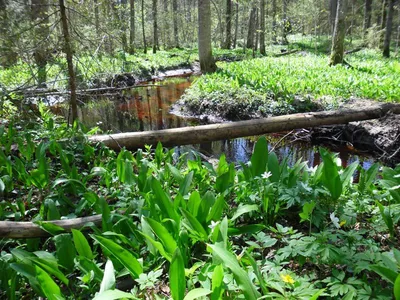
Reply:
x=338, y=162
x=213, y=225
x=266, y=175
x=335, y=220
x=394, y=187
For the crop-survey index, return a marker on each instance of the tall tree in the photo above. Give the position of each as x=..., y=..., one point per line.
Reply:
x=383, y=21
x=122, y=21
x=285, y=22
x=252, y=27
x=236, y=24
x=228, y=24
x=274, y=27
x=155, y=29
x=262, y=27
x=332, y=13
x=207, y=63
x=143, y=30
x=68, y=53
x=39, y=14
x=339, y=31
x=175, y=20
x=367, y=15
x=132, y=27
x=96, y=18
x=389, y=27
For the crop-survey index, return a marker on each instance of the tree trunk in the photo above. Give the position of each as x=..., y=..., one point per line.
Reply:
x=207, y=63
x=285, y=23
x=251, y=30
x=389, y=27
x=39, y=14
x=175, y=17
x=337, y=51
x=256, y=32
x=96, y=18
x=229, y=130
x=68, y=52
x=332, y=13
x=155, y=30
x=166, y=30
x=122, y=23
x=143, y=30
x=132, y=27
x=367, y=16
x=262, y=27
x=236, y=25
x=274, y=31
x=228, y=24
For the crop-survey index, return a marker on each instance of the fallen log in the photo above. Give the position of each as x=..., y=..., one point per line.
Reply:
x=21, y=230
x=215, y=132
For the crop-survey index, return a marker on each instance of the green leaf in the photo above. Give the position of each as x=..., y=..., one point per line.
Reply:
x=330, y=176
x=217, y=282
x=385, y=273
x=194, y=203
x=387, y=218
x=307, y=211
x=108, y=282
x=194, y=225
x=317, y=294
x=163, y=201
x=82, y=244
x=254, y=228
x=158, y=246
x=396, y=289
x=165, y=237
x=217, y=209
x=87, y=266
x=65, y=251
x=259, y=159
x=177, y=279
x=347, y=175
x=113, y=295
x=51, y=228
x=176, y=173
x=243, y=209
x=122, y=255
x=197, y=293
x=185, y=185
x=273, y=167
x=257, y=271
x=241, y=276
x=47, y=284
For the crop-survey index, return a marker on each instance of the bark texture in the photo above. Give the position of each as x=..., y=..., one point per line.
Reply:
x=175, y=20
x=228, y=24
x=389, y=28
x=155, y=29
x=207, y=63
x=262, y=27
x=367, y=15
x=251, y=28
x=132, y=29
x=337, y=52
x=274, y=34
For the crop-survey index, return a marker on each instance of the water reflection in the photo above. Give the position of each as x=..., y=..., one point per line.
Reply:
x=147, y=108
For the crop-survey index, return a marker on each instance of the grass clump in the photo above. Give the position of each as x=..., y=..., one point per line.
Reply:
x=298, y=82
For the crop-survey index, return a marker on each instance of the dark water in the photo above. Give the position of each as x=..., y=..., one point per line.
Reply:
x=147, y=108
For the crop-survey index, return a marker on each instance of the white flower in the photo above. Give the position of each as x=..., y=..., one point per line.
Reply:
x=266, y=175
x=213, y=225
x=335, y=220
x=338, y=162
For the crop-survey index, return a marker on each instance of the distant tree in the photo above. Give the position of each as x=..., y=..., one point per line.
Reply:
x=236, y=24
x=389, y=27
x=155, y=27
x=339, y=31
x=228, y=25
x=252, y=27
x=132, y=28
x=207, y=63
x=68, y=53
x=274, y=27
x=332, y=13
x=262, y=27
x=367, y=16
x=175, y=20
x=285, y=22
x=143, y=29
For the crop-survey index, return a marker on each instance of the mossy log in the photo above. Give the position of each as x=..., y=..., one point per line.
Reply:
x=215, y=132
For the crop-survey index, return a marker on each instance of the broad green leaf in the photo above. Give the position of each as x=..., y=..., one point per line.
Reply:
x=387, y=218
x=330, y=176
x=87, y=266
x=243, y=209
x=241, y=276
x=347, y=175
x=122, y=255
x=65, y=251
x=386, y=273
x=254, y=228
x=257, y=271
x=42, y=263
x=185, y=185
x=259, y=159
x=113, y=295
x=51, y=228
x=157, y=246
x=317, y=294
x=307, y=211
x=273, y=167
x=217, y=282
x=163, y=201
x=177, y=279
x=217, y=209
x=165, y=237
x=197, y=293
x=82, y=244
x=108, y=282
x=176, y=173
x=47, y=284
x=194, y=225
x=396, y=289
x=194, y=203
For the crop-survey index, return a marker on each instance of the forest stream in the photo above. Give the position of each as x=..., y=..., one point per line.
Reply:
x=149, y=108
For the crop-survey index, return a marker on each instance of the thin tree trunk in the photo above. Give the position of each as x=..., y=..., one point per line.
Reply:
x=285, y=23
x=389, y=27
x=236, y=24
x=166, y=30
x=143, y=30
x=122, y=23
x=68, y=52
x=274, y=31
x=155, y=29
x=262, y=27
x=339, y=32
x=207, y=63
x=132, y=27
x=96, y=17
x=256, y=32
x=251, y=30
x=367, y=16
x=175, y=18
x=332, y=13
x=228, y=24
